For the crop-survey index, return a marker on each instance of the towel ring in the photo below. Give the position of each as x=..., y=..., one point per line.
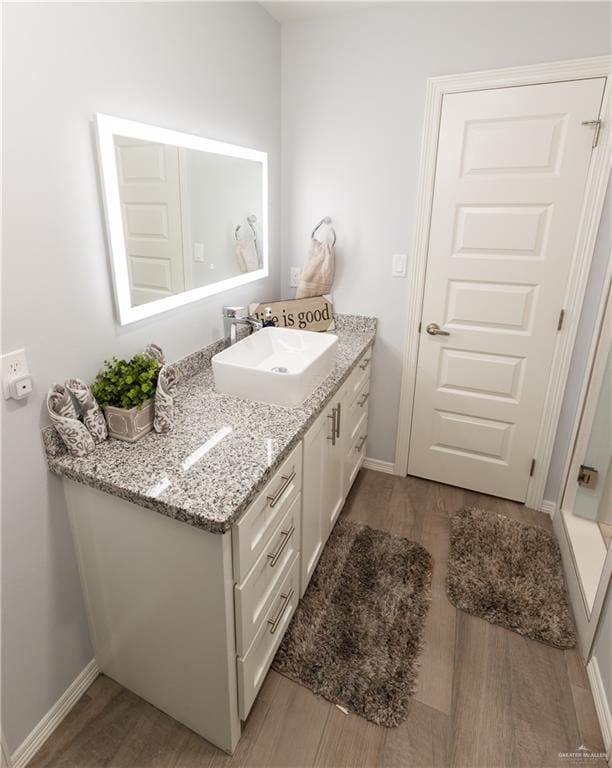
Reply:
x=251, y=221
x=325, y=220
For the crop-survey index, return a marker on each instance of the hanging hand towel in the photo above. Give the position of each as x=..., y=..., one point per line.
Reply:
x=164, y=399
x=64, y=418
x=318, y=273
x=246, y=254
x=93, y=418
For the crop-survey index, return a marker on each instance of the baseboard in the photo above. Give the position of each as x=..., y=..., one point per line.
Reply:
x=379, y=466
x=601, y=705
x=549, y=507
x=32, y=743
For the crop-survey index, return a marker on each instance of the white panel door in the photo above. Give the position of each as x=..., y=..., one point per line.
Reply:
x=151, y=209
x=510, y=176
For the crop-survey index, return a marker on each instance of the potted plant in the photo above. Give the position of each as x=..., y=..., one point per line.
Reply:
x=125, y=391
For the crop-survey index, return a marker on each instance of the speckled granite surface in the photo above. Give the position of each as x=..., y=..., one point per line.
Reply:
x=175, y=475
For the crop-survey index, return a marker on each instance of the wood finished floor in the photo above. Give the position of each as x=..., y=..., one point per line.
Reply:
x=486, y=697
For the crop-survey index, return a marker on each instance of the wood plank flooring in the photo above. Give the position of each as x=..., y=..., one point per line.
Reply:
x=486, y=697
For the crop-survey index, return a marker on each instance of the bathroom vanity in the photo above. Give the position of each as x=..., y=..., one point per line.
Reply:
x=195, y=547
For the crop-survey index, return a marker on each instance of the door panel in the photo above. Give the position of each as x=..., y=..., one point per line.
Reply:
x=502, y=230
x=465, y=372
x=151, y=207
x=489, y=306
x=513, y=145
x=510, y=176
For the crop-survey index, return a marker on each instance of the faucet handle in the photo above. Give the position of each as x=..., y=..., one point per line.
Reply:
x=234, y=311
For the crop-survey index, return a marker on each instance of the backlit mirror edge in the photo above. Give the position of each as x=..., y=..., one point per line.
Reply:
x=107, y=127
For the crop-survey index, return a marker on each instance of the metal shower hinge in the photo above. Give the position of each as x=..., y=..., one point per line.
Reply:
x=587, y=476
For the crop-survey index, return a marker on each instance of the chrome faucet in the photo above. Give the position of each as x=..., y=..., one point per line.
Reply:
x=232, y=318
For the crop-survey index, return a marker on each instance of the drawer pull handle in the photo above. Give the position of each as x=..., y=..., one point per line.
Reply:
x=275, y=622
x=359, y=448
x=363, y=400
x=273, y=500
x=286, y=535
x=335, y=417
x=364, y=365
x=332, y=416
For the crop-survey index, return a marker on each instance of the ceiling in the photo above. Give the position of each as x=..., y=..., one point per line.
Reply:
x=286, y=11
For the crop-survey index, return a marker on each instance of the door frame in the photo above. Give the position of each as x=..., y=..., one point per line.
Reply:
x=595, y=190
x=586, y=618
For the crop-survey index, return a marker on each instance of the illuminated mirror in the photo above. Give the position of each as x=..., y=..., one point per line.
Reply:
x=186, y=216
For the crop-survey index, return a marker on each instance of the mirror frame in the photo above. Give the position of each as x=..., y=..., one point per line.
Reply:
x=107, y=127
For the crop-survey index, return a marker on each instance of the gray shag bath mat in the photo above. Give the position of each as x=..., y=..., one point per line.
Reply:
x=510, y=574
x=356, y=635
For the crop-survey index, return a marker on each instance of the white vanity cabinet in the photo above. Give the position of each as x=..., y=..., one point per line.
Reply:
x=323, y=493
x=334, y=450
x=186, y=618
x=191, y=619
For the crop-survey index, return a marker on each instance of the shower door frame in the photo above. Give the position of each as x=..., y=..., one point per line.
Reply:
x=586, y=617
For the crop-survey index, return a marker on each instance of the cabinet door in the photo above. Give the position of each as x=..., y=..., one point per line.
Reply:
x=313, y=497
x=334, y=474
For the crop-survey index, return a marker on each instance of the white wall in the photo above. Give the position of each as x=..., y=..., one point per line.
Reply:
x=352, y=104
x=208, y=68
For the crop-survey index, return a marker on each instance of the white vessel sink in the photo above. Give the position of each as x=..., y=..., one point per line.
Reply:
x=275, y=365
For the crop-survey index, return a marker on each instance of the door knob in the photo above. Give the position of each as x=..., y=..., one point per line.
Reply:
x=433, y=329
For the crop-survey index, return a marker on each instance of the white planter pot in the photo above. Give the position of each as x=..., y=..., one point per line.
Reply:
x=130, y=424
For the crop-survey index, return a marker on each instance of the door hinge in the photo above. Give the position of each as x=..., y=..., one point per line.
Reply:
x=532, y=468
x=561, y=319
x=597, y=126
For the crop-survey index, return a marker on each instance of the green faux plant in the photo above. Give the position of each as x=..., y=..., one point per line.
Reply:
x=126, y=383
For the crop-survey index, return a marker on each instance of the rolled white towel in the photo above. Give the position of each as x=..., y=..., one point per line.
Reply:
x=152, y=350
x=93, y=418
x=164, y=398
x=65, y=419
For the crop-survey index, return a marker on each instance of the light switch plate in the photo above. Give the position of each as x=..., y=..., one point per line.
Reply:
x=398, y=265
x=198, y=251
x=294, y=276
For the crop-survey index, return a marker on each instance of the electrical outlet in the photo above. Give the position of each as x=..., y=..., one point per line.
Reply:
x=14, y=366
x=294, y=276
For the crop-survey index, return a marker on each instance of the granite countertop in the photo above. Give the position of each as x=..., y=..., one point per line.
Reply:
x=222, y=450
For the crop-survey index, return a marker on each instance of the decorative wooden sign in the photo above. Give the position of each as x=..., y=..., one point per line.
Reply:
x=312, y=314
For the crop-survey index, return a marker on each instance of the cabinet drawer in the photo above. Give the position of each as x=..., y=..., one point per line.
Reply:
x=255, y=595
x=251, y=534
x=253, y=667
x=358, y=410
x=356, y=453
x=359, y=375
